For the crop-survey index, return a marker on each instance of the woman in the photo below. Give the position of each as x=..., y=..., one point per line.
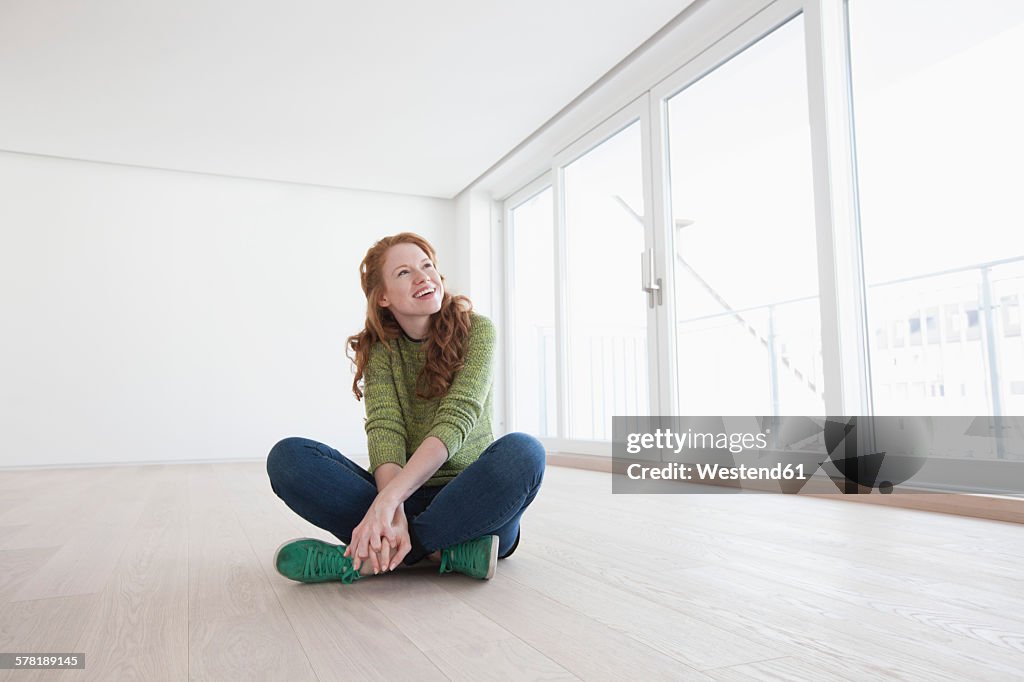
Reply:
x=438, y=488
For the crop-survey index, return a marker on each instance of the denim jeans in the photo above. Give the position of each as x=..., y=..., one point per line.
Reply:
x=488, y=498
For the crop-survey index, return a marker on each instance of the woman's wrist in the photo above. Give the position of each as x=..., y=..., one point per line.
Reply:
x=423, y=464
x=389, y=497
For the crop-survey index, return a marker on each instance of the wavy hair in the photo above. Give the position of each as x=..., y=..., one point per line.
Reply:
x=447, y=337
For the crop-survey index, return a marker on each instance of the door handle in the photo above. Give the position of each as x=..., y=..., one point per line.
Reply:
x=649, y=284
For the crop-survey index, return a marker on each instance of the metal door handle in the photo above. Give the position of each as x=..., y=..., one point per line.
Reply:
x=649, y=284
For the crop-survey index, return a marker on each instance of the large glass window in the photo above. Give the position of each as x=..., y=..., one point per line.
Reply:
x=938, y=108
x=532, y=283
x=606, y=314
x=937, y=144
x=747, y=309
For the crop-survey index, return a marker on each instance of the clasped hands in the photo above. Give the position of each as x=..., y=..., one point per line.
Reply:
x=382, y=537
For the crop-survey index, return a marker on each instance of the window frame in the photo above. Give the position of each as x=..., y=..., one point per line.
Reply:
x=528, y=192
x=704, y=36
x=724, y=30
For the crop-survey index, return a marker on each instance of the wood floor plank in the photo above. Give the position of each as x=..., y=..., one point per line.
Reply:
x=1003, y=630
x=44, y=626
x=138, y=628
x=258, y=507
x=18, y=565
x=509, y=659
x=38, y=535
x=97, y=534
x=248, y=648
x=342, y=630
x=339, y=627
x=787, y=669
x=167, y=572
x=58, y=492
x=974, y=597
x=237, y=626
x=696, y=643
x=579, y=644
x=418, y=606
x=890, y=635
x=9, y=531
x=798, y=634
x=809, y=627
x=9, y=502
x=746, y=614
x=226, y=580
x=8, y=535
x=897, y=550
x=721, y=541
x=81, y=566
x=828, y=542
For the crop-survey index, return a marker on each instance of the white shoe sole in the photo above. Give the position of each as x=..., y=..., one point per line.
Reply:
x=288, y=542
x=494, y=558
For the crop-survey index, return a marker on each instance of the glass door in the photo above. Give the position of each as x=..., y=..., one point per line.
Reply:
x=531, y=311
x=741, y=235
x=608, y=314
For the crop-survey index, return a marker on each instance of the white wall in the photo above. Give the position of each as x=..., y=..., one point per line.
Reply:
x=480, y=253
x=150, y=315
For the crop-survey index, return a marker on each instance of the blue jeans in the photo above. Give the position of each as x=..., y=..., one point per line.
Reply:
x=488, y=498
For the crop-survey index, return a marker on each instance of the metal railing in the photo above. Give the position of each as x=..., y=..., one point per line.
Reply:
x=614, y=360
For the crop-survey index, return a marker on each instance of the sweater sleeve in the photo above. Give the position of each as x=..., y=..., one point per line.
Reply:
x=386, y=434
x=460, y=409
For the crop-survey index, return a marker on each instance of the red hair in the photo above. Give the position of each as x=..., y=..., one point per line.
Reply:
x=447, y=337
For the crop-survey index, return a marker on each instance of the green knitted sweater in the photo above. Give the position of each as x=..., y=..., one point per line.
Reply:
x=397, y=420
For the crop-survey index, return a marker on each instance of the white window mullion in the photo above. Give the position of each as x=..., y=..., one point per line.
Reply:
x=561, y=322
x=657, y=379
x=664, y=248
x=508, y=289
x=840, y=264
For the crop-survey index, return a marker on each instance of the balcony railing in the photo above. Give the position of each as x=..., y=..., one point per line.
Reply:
x=947, y=342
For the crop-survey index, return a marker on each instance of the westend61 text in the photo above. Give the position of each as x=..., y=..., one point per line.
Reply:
x=676, y=471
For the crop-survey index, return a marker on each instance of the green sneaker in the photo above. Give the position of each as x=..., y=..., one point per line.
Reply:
x=477, y=558
x=314, y=561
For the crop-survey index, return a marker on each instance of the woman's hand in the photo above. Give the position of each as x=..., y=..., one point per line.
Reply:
x=392, y=553
x=373, y=533
x=403, y=544
x=379, y=528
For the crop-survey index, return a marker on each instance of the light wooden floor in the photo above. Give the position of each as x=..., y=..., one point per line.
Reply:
x=164, y=572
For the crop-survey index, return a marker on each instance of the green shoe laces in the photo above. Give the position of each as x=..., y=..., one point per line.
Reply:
x=467, y=558
x=328, y=563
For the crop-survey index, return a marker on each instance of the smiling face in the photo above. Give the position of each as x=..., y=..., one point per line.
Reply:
x=412, y=288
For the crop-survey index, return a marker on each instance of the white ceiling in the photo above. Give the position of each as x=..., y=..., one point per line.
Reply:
x=405, y=96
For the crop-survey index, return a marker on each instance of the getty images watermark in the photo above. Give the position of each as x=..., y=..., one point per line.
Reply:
x=842, y=455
